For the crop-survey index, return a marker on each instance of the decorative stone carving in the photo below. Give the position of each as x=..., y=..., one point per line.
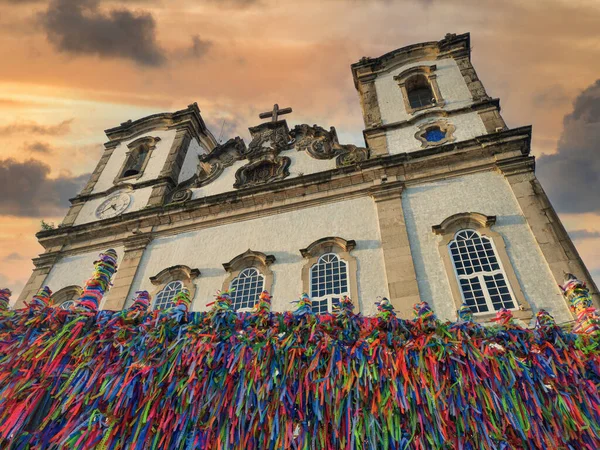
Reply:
x=323, y=144
x=181, y=195
x=269, y=137
x=210, y=167
x=267, y=168
x=268, y=140
x=351, y=154
x=226, y=154
x=435, y=133
x=318, y=142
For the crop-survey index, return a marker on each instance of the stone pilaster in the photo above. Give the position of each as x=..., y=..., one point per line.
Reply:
x=399, y=266
x=554, y=242
x=173, y=164
x=134, y=250
x=43, y=265
x=108, y=151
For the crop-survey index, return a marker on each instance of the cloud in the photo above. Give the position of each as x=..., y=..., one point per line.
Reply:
x=14, y=256
x=28, y=191
x=30, y=127
x=572, y=175
x=199, y=48
x=39, y=147
x=78, y=27
x=584, y=234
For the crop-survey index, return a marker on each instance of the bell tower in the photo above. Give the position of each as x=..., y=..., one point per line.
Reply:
x=142, y=162
x=424, y=95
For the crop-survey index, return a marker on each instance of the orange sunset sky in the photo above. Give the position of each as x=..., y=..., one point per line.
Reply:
x=72, y=68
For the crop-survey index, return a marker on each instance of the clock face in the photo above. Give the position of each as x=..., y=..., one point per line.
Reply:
x=113, y=206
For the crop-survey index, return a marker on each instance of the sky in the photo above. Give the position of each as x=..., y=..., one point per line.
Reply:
x=73, y=68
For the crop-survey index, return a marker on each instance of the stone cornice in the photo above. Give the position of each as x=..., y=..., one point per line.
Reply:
x=498, y=151
x=188, y=118
x=435, y=112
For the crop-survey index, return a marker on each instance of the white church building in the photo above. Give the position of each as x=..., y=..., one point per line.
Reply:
x=441, y=204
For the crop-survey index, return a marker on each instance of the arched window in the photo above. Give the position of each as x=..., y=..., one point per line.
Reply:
x=330, y=272
x=419, y=88
x=246, y=288
x=137, y=158
x=419, y=92
x=67, y=297
x=164, y=299
x=248, y=275
x=328, y=283
x=483, y=282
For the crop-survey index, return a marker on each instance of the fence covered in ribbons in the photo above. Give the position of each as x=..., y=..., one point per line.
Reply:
x=174, y=379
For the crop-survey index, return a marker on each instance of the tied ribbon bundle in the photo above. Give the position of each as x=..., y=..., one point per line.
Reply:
x=41, y=300
x=141, y=302
x=4, y=299
x=98, y=285
x=219, y=380
x=580, y=302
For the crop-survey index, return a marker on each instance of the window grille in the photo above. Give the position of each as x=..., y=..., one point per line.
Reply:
x=480, y=274
x=164, y=299
x=246, y=288
x=328, y=283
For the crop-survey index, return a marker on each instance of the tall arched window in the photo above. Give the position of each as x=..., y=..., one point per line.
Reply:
x=419, y=92
x=137, y=158
x=164, y=299
x=483, y=282
x=248, y=275
x=246, y=288
x=328, y=283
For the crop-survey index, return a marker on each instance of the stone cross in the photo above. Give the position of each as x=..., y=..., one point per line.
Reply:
x=275, y=113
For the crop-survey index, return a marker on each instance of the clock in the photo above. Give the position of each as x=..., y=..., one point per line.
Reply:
x=113, y=206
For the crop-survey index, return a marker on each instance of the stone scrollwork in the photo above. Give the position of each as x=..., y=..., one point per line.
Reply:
x=265, y=164
x=270, y=137
x=181, y=195
x=267, y=168
x=351, y=154
x=323, y=144
x=318, y=142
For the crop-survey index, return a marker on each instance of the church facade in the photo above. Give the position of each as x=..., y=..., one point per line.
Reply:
x=441, y=205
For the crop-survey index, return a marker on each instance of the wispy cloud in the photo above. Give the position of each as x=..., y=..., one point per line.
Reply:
x=31, y=127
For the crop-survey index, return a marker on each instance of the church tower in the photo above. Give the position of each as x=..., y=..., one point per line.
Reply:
x=441, y=205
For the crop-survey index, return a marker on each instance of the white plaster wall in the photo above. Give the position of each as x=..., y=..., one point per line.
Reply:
x=152, y=170
x=301, y=164
x=139, y=200
x=487, y=193
x=452, y=86
x=76, y=270
x=190, y=163
x=281, y=235
x=468, y=126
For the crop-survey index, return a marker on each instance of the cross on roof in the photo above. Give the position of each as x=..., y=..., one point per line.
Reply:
x=275, y=113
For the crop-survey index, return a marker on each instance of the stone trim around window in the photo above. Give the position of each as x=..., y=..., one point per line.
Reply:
x=443, y=125
x=148, y=141
x=248, y=259
x=482, y=224
x=174, y=273
x=429, y=73
x=67, y=293
x=340, y=247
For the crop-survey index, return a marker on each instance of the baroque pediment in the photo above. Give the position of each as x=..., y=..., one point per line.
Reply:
x=264, y=162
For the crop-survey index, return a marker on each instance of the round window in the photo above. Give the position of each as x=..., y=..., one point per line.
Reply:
x=434, y=134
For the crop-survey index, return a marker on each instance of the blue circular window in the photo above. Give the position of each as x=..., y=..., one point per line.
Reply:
x=434, y=134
